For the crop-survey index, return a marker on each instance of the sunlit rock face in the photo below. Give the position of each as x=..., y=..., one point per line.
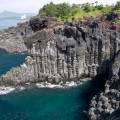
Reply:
x=61, y=53
x=11, y=41
x=66, y=53
x=70, y=52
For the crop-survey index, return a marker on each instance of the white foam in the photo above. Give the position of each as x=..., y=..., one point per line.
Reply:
x=49, y=85
x=5, y=90
x=20, y=88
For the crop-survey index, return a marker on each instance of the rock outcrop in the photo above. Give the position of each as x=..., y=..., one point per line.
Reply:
x=106, y=103
x=71, y=52
x=11, y=39
x=62, y=53
x=68, y=52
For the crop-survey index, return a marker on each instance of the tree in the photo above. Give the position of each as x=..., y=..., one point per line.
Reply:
x=53, y=10
x=96, y=3
x=100, y=7
x=87, y=7
x=117, y=6
x=66, y=11
x=63, y=10
x=48, y=10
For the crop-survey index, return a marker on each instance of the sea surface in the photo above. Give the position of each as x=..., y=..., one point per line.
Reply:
x=43, y=104
x=8, y=61
x=5, y=23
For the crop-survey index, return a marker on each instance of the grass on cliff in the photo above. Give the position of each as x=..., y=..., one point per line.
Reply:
x=65, y=11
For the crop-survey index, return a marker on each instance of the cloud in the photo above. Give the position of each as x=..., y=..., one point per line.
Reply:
x=35, y=5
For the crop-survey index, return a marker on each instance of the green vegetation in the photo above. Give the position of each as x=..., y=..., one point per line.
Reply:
x=65, y=11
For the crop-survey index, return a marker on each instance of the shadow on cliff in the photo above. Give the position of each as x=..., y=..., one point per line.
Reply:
x=115, y=115
x=97, y=85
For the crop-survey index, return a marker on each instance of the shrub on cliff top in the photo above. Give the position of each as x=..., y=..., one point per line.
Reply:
x=66, y=11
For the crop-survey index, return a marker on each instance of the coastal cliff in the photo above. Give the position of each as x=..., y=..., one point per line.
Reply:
x=71, y=52
x=11, y=39
x=59, y=53
x=67, y=52
x=106, y=105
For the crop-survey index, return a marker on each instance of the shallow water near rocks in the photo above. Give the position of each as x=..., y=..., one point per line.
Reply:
x=43, y=104
x=5, y=23
x=8, y=60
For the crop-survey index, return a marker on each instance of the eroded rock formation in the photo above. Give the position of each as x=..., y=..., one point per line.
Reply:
x=60, y=53
x=72, y=52
x=106, y=103
x=11, y=39
x=65, y=52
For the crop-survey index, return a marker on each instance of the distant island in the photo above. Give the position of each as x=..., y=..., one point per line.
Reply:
x=11, y=15
x=8, y=19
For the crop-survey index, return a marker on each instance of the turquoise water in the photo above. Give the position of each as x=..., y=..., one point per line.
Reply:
x=7, y=61
x=43, y=104
x=5, y=23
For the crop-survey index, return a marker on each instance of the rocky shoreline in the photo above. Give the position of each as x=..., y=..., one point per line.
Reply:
x=107, y=102
x=11, y=39
x=9, y=89
x=64, y=55
x=23, y=76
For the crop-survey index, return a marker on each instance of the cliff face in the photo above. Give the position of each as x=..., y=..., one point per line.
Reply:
x=72, y=52
x=104, y=104
x=62, y=53
x=11, y=39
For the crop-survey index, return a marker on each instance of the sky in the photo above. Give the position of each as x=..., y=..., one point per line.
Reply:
x=33, y=6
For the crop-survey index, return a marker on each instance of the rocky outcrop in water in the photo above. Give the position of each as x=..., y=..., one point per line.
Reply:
x=104, y=104
x=18, y=75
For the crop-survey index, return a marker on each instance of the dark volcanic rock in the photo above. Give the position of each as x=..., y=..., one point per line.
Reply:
x=64, y=53
x=104, y=105
x=37, y=23
x=114, y=116
x=72, y=51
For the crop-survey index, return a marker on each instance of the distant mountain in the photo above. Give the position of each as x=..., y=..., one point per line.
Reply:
x=11, y=15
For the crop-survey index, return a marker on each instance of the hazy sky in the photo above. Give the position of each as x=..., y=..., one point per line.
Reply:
x=34, y=5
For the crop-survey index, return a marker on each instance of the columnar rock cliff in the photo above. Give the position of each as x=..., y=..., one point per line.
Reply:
x=106, y=105
x=67, y=52
x=62, y=53
x=72, y=52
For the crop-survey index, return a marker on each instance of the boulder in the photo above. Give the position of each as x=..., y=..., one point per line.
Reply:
x=37, y=23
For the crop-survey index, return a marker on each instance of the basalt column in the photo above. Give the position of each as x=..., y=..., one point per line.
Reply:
x=68, y=63
x=35, y=58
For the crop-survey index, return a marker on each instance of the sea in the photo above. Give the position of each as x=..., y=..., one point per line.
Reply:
x=5, y=23
x=42, y=103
